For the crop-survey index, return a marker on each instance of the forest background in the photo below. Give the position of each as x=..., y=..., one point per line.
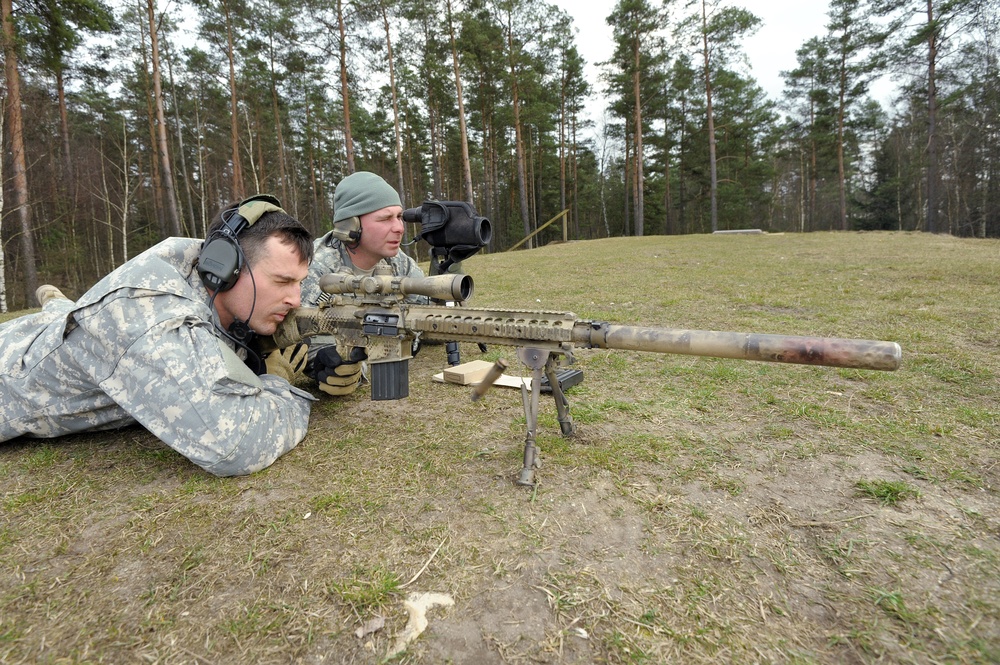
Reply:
x=129, y=121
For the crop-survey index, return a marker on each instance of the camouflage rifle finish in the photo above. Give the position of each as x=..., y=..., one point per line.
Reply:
x=371, y=312
x=367, y=308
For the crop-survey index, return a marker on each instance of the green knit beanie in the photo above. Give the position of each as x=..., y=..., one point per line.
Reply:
x=361, y=193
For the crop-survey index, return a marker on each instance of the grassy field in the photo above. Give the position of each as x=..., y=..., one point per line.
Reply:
x=707, y=510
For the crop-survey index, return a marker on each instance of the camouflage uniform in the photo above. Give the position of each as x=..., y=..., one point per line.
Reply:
x=330, y=256
x=142, y=346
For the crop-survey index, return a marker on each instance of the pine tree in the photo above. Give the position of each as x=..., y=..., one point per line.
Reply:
x=639, y=55
x=22, y=202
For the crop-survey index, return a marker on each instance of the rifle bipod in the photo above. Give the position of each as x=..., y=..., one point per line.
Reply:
x=540, y=361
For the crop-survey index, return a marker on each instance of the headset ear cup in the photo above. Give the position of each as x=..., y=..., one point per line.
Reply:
x=221, y=258
x=220, y=263
x=347, y=230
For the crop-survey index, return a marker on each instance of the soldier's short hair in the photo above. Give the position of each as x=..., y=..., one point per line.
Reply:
x=252, y=239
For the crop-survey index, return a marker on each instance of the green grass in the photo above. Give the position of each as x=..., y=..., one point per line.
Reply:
x=365, y=589
x=705, y=511
x=887, y=492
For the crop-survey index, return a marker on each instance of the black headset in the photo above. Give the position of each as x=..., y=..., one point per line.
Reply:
x=221, y=258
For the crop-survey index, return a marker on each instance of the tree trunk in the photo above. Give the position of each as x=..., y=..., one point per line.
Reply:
x=681, y=188
x=18, y=160
x=576, y=183
x=395, y=109
x=173, y=217
x=487, y=158
x=256, y=166
x=126, y=191
x=234, y=115
x=668, y=217
x=841, y=170
x=531, y=151
x=203, y=198
x=932, y=141
x=108, y=221
x=432, y=122
x=802, y=191
x=344, y=94
x=466, y=162
x=3, y=261
x=317, y=213
x=638, y=156
x=154, y=164
x=395, y=103
x=64, y=130
x=282, y=171
x=602, y=174
x=67, y=182
x=813, y=170
x=562, y=139
x=522, y=184
x=186, y=174
x=711, y=123
x=629, y=173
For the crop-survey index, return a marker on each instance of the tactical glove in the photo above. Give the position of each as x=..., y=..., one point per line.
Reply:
x=289, y=363
x=335, y=375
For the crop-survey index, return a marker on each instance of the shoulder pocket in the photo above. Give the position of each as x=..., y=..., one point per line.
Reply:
x=236, y=369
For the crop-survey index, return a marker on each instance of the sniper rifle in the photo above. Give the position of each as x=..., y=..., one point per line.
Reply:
x=372, y=312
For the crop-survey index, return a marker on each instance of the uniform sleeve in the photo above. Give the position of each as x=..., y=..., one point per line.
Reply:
x=326, y=260
x=190, y=390
x=405, y=266
x=310, y=285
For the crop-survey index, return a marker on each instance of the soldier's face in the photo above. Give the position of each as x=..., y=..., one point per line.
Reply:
x=270, y=293
x=381, y=233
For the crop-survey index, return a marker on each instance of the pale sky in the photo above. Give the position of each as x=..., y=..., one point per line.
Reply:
x=771, y=50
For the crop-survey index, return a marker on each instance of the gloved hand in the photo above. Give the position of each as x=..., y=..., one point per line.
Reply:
x=337, y=376
x=289, y=363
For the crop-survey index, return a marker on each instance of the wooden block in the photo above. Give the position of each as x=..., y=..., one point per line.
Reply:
x=513, y=381
x=504, y=381
x=467, y=373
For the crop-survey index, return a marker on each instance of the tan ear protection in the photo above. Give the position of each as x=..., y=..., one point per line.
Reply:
x=221, y=258
x=347, y=230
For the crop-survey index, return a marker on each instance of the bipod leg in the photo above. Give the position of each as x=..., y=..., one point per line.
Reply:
x=536, y=359
x=562, y=404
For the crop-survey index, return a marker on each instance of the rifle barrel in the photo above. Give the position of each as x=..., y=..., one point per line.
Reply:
x=828, y=351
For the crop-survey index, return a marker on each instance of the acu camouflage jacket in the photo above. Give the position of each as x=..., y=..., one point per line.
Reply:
x=142, y=346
